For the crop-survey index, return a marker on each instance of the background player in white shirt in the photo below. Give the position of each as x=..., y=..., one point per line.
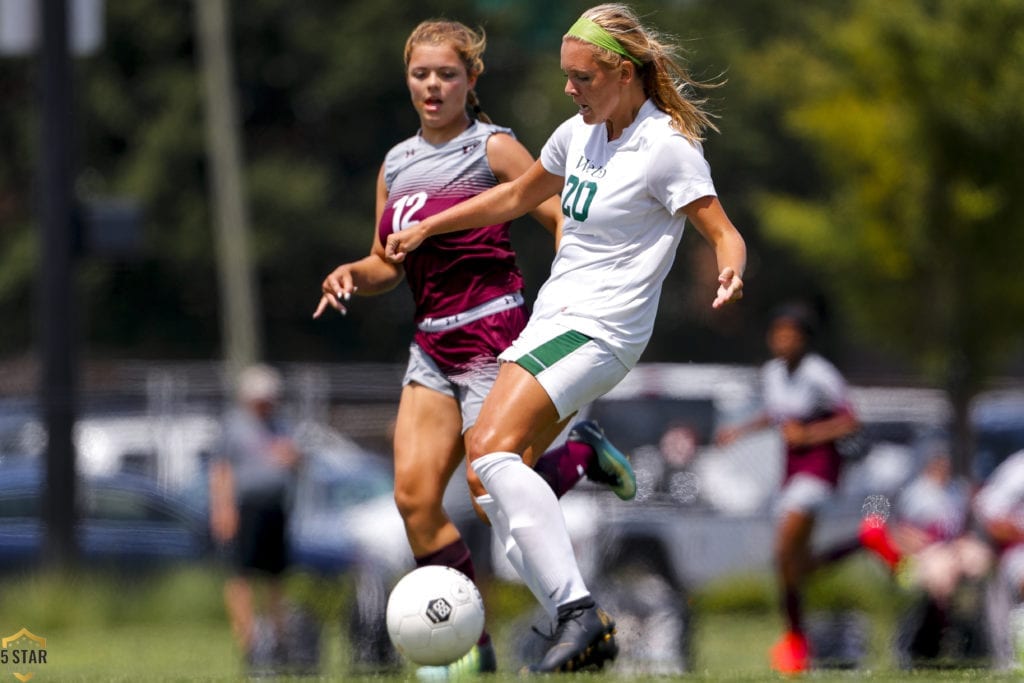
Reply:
x=630, y=172
x=806, y=398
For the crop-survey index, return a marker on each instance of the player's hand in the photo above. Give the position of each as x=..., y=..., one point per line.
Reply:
x=285, y=453
x=401, y=243
x=337, y=288
x=730, y=288
x=727, y=436
x=794, y=433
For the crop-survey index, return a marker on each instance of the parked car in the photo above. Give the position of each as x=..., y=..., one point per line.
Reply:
x=170, y=453
x=125, y=520
x=997, y=418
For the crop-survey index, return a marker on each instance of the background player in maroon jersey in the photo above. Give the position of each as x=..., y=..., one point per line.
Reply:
x=806, y=398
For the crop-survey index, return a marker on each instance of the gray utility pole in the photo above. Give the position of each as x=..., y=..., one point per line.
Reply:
x=57, y=313
x=241, y=339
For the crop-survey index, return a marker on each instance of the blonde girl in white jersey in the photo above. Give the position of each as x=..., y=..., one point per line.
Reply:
x=630, y=172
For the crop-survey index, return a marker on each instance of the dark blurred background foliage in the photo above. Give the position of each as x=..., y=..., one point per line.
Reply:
x=870, y=153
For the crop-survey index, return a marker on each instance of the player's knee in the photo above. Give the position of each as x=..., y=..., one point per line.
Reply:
x=478, y=441
x=414, y=501
x=486, y=438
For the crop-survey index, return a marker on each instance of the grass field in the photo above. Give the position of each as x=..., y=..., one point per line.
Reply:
x=172, y=628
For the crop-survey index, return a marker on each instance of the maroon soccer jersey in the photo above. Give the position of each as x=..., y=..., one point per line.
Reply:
x=461, y=350
x=455, y=272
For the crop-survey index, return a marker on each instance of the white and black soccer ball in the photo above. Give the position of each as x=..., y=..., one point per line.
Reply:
x=435, y=615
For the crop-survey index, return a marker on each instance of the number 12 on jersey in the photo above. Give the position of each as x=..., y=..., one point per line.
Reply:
x=404, y=208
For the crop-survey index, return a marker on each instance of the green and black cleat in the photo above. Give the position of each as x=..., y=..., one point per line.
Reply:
x=611, y=465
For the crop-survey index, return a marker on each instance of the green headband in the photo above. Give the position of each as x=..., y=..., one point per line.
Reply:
x=593, y=33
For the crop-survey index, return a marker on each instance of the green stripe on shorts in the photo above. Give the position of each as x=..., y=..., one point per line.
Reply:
x=552, y=351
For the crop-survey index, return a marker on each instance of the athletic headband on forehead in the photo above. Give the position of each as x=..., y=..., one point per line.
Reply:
x=593, y=33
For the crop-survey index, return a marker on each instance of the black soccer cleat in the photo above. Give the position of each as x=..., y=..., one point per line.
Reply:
x=583, y=639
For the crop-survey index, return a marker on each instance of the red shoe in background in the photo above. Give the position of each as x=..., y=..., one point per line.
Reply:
x=874, y=535
x=791, y=654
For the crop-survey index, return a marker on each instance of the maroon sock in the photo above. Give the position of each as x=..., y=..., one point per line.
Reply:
x=564, y=466
x=457, y=556
x=794, y=612
x=835, y=553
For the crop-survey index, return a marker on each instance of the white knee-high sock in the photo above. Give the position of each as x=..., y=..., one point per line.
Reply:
x=536, y=525
x=499, y=523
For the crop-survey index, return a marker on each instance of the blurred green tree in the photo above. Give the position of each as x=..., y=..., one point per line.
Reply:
x=18, y=138
x=912, y=114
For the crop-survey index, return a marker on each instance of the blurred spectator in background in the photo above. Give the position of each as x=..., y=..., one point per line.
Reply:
x=999, y=506
x=667, y=467
x=931, y=548
x=806, y=398
x=678, y=445
x=252, y=475
x=931, y=527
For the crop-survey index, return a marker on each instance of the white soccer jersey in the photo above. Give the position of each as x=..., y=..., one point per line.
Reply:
x=1002, y=496
x=813, y=390
x=621, y=201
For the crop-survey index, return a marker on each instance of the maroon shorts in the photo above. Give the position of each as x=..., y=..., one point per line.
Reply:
x=822, y=461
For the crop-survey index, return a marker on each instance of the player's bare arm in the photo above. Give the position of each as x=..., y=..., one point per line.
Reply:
x=709, y=218
x=509, y=160
x=372, y=274
x=1004, y=531
x=500, y=203
x=818, y=432
x=728, y=435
